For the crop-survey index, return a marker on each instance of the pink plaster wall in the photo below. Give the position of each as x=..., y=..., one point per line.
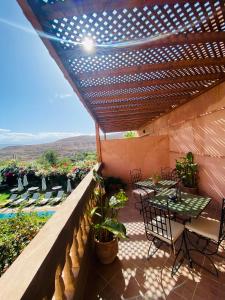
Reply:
x=198, y=126
x=122, y=155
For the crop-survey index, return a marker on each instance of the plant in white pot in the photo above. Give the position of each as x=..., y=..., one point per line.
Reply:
x=107, y=228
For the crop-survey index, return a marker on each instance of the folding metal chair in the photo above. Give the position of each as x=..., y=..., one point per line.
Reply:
x=166, y=173
x=210, y=230
x=160, y=227
x=135, y=176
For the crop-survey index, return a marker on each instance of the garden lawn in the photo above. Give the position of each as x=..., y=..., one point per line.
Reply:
x=4, y=197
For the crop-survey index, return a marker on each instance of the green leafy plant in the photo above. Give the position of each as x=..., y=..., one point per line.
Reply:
x=49, y=157
x=15, y=235
x=130, y=134
x=113, y=184
x=187, y=170
x=105, y=214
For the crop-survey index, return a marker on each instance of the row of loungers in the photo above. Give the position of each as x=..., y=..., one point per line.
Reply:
x=13, y=201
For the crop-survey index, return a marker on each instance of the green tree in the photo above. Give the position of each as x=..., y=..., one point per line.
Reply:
x=81, y=156
x=50, y=157
x=129, y=134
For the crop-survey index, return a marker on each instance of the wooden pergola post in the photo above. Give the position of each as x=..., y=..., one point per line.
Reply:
x=98, y=143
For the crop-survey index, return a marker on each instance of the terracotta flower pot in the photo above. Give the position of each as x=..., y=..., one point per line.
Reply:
x=155, y=181
x=106, y=251
x=190, y=190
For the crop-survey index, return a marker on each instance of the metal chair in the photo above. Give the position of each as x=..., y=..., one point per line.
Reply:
x=135, y=176
x=210, y=230
x=160, y=227
x=142, y=193
x=166, y=173
x=174, y=176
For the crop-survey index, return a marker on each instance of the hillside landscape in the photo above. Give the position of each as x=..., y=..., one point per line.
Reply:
x=64, y=147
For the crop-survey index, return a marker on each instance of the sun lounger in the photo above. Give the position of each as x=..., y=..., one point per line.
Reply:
x=13, y=197
x=33, y=199
x=22, y=199
x=46, y=199
x=58, y=198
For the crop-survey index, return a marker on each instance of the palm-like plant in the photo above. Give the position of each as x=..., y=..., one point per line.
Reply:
x=104, y=214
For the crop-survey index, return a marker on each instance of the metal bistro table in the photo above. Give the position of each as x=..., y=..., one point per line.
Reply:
x=190, y=206
x=162, y=184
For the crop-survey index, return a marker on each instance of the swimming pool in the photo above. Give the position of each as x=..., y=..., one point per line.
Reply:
x=48, y=213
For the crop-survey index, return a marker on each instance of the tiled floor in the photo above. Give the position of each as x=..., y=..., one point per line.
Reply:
x=132, y=276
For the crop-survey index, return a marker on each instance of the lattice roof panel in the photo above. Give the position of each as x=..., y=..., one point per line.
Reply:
x=150, y=56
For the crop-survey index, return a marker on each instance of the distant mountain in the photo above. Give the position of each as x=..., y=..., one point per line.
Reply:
x=5, y=145
x=64, y=147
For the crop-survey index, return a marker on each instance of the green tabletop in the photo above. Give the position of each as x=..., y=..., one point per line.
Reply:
x=190, y=205
x=160, y=185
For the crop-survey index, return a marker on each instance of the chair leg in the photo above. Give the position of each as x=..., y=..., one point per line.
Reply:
x=203, y=251
x=176, y=265
x=210, y=260
x=187, y=250
x=156, y=248
x=186, y=254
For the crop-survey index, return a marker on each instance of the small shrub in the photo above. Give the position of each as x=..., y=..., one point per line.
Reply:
x=15, y=235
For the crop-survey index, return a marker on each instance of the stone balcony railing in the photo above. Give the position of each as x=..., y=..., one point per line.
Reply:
x=55, y=263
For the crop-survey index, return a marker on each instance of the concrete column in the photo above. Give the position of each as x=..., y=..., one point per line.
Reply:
x=98, y=143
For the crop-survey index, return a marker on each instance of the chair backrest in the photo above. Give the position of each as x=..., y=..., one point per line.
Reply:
x=156, y=220
x=222, y=222
x=25, y=196
x=60, y=194
x=174, y=176
x=135, y=175
x=166, y=173
x=35, y=196
x=48, y=195
x=13, y=197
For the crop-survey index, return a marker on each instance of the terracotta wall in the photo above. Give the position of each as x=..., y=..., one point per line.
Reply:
x=198, y=126
x=122, y=155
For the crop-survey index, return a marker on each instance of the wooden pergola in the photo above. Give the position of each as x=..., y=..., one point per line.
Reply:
x=149, y=56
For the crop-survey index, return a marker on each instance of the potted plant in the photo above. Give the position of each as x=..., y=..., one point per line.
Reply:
x=156, y=178
x=107, y=229
x=113, y=184
x=187, y=171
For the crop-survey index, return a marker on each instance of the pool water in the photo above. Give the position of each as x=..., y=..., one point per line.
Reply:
x=48, y=213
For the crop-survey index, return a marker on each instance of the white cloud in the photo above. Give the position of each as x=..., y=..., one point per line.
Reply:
x=63, y=96
x=11, y=137
x=60, y=97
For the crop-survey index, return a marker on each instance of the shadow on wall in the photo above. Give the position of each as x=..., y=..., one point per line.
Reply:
x=205, y=137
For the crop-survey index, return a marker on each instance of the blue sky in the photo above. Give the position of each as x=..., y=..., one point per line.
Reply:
x=37, y=103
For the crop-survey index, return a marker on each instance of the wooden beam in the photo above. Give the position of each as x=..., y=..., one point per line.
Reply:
x=136, y=104
x=131, y=111
x=154, y=82
x=172, y=65
x=163, y=40
x=148, y=101
x=129, y=97
x=71, y=8
x=142, y=109
x=129, y=115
